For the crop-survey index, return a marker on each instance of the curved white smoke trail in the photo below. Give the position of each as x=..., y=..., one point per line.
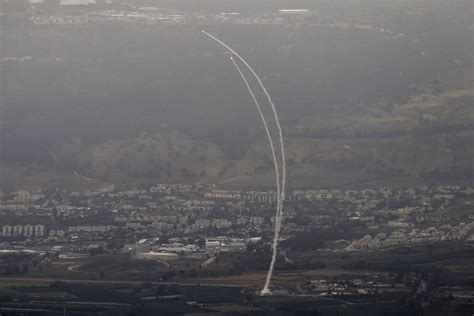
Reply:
x=267, y=130
x=279, y=213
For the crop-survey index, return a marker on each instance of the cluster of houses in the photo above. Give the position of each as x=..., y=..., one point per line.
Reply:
x=37, y=230
x=406, y=237
x=393, y=217
x=356, y=284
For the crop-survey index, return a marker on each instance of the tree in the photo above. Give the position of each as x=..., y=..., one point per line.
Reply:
x=201, y=242
x=24, y=269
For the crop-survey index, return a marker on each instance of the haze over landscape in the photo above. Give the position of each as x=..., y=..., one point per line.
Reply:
x=129, y=139
x=365, y=90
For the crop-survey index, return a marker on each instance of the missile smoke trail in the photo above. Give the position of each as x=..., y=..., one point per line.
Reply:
x=81, y=176
x=277, y=171
x=267, y=130
x=281, y=198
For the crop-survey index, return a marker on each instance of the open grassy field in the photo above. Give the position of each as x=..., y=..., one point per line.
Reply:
x=280, y=278
x=464, y=266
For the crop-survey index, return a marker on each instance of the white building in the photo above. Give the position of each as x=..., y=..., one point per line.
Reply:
x=165, y=256
x=23, y=230
x=7, y=231
x=77, y=2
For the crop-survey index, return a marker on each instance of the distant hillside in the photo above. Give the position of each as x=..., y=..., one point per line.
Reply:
x=368, y=93
x=164, y=157
x=427, y=140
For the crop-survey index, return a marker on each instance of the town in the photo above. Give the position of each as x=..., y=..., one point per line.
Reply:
x=198, y=221
x=198, y=233
x=136, y=177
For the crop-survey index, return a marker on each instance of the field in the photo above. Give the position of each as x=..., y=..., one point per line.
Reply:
x=462, y=266
x=280, y=279
x=109, y=267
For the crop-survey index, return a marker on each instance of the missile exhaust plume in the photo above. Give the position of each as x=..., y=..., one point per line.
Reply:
x=277, y=170
x=279, y=214
x=267, y=130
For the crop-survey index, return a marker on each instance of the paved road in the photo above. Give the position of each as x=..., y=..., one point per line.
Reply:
x=7, y=279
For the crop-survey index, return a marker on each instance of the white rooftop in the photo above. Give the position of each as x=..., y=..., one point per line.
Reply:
x=77, y=2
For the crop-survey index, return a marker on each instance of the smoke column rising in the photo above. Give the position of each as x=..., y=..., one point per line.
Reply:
x=279, y=213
